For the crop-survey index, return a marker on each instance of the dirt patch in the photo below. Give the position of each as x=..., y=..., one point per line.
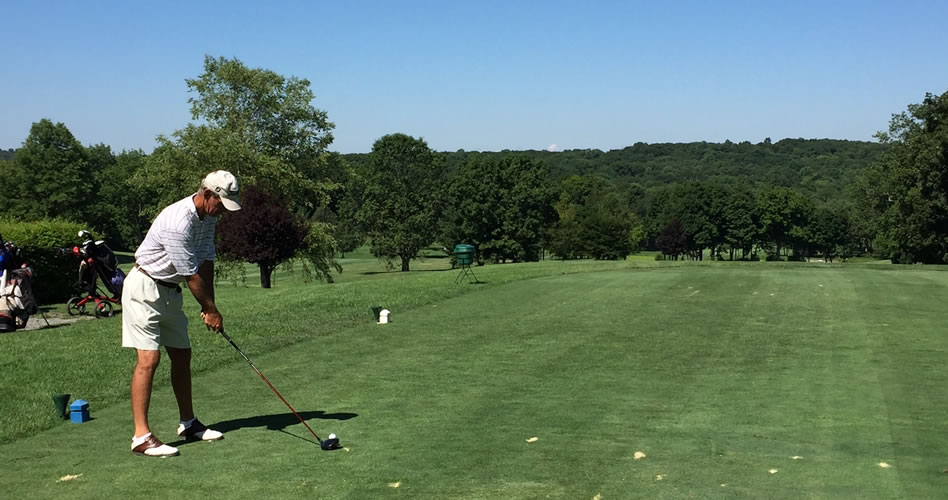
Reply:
x=38, y=323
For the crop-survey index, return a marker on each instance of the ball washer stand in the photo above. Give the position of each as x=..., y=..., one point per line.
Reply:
x=329, y=444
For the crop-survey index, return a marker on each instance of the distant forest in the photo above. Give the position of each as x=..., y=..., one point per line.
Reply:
x=822, y=169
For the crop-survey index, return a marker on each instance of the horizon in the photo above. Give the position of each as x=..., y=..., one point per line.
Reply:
x=528, y=76
x=114, y=151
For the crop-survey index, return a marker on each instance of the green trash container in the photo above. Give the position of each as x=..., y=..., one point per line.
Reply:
x=464, y=254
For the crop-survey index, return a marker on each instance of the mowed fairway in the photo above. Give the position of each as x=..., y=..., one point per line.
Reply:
x=748, y=380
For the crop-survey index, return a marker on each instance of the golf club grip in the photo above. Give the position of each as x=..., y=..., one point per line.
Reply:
x=274, y=389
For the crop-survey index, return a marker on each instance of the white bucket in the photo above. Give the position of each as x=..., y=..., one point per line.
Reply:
x=383, y=316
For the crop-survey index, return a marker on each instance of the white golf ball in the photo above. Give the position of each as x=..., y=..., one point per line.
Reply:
x=332, y=436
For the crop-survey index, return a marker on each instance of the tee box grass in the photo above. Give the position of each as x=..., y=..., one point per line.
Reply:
x=639, y=380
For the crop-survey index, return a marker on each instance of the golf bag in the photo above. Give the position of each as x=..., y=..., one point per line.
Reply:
x=17, y=302
x=97, y=264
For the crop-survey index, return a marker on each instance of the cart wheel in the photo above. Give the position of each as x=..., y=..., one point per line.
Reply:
x=73, y=309
x=103, y=309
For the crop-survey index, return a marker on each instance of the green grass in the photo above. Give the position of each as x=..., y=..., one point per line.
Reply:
x=718, y=372
x=84, y=359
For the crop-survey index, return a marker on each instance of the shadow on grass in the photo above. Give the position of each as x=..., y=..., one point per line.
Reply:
x=371, y=273
x=276, y=422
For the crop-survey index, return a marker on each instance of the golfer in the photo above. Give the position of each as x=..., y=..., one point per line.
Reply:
x=178, y=249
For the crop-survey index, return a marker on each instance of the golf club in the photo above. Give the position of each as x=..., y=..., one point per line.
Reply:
x=329, y=444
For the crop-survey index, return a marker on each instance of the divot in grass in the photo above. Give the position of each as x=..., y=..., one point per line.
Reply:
x=396, y=484
x=660, y=477
x=884, y=465
x=534, y=439
x=68, y=477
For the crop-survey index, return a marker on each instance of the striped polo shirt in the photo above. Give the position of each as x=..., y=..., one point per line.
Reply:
x=177, y=243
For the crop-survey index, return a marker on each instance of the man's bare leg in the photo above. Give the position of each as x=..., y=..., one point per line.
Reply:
x=181, y=380
x=142, y=379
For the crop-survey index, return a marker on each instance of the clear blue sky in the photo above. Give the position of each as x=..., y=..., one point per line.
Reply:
x=484, y=75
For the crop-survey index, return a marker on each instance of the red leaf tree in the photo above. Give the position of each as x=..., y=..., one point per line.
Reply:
x=672, y=241
x=263, y=232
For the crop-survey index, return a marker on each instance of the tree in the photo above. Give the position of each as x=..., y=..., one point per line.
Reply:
x=908, y=185
x=121, y=211
x=259, y=125
x=784, y=216
x=116, y=210
x=50, y=176
x=263, y=232
x=401, y=202
x=271, y=116
x=672, y=240
x=609, y=230
x=596, y=220
x=566, y=239
x=501, y=205
x=179, y=163
x=339, y=215
x=692, y=204
x=829, y=231
x=740, y=230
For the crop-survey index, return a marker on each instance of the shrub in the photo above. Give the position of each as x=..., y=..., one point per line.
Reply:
x=40, y=244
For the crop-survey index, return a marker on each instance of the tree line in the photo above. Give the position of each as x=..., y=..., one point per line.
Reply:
x=793, y=198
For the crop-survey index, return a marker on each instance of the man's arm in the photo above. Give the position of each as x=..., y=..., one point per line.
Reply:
x=202, y=287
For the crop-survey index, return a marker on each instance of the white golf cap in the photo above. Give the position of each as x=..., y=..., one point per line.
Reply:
x=223, y=184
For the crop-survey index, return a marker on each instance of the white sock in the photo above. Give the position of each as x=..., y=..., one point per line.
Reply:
x=137, y=440
x=187, y=423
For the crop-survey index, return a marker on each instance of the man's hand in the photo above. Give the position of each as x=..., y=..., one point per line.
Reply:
x=213, y=320
x=202, y=287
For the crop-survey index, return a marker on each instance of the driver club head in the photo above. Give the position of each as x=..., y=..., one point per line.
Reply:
x=330, y=444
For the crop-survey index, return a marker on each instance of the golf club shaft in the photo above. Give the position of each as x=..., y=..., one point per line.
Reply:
x=271, y=386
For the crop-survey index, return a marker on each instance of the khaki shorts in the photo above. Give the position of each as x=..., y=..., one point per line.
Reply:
x=152, y=315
